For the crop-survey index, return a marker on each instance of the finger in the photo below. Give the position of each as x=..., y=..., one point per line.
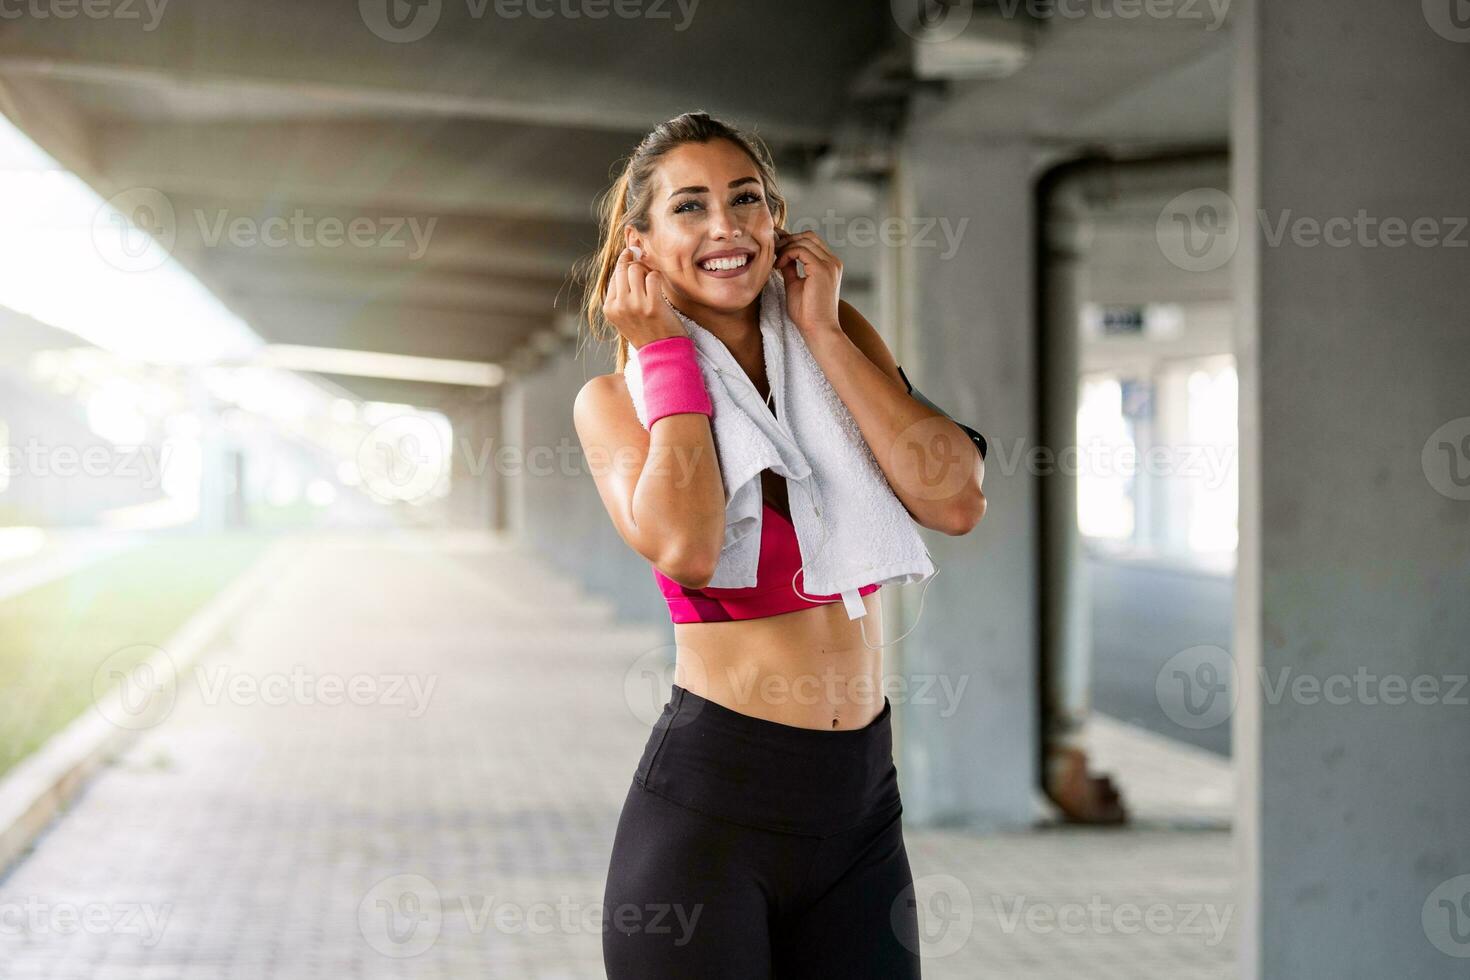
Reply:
x=617, y=284
x=790, y=277
x=802, y=253
x=618, y=274
x=653, y=290
x=637, y=287
x=812, y=241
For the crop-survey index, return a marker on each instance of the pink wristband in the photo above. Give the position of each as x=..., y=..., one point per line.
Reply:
x=672, y=382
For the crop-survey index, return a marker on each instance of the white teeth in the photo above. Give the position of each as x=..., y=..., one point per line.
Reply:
x=721, y=265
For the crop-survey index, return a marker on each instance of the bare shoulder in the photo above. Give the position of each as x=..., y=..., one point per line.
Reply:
x=867, y=339
x=603, y=407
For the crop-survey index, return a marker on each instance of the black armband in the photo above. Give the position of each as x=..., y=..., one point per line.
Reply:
x=918, y=396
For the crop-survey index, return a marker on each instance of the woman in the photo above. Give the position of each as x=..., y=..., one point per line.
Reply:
x=761, y=836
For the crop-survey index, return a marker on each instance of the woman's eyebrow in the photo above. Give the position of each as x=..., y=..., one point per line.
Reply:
x=698, y=189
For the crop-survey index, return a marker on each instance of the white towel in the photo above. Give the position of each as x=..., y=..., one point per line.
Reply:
x=851, y=528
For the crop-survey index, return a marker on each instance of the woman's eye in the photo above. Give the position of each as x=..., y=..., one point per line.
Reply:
x=745, y=197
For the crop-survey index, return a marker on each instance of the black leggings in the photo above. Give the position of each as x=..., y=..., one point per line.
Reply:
x=755, y=850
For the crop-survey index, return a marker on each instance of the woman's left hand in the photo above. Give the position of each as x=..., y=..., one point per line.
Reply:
x=810, y=302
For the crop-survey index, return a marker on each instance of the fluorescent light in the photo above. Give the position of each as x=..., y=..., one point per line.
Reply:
x=987, y=46
x=376, y=364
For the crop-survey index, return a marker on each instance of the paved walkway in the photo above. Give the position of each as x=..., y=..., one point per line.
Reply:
x=452, y=819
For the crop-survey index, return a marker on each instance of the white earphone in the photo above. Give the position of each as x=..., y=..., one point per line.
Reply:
x=862, y=627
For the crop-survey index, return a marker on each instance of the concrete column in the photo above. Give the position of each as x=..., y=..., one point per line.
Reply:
x=555, y=509
x=968, y=343
x=475, y=480
x=1355, y=435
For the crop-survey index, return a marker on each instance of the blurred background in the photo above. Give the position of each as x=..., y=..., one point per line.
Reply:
x=319, y=655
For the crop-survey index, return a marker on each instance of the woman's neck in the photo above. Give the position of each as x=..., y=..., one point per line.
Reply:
x=739, y=331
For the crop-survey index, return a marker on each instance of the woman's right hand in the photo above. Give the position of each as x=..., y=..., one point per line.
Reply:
x=635, y=303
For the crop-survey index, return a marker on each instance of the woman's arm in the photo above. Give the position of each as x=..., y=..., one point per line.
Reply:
x=929, y=460
x=662, y=487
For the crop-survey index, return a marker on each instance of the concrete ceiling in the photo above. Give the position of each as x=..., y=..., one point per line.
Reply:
x=470, y=156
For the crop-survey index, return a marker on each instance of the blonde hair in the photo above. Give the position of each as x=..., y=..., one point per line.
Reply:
x=626, y=203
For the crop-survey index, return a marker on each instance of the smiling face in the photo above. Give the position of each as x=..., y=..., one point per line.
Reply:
x=710, y=228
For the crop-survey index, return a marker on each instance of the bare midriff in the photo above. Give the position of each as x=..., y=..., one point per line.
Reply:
x=808, y=668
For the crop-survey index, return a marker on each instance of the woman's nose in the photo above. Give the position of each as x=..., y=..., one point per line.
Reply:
x=723, y=224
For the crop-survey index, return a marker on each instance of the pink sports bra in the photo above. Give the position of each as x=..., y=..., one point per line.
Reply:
x=772, y=594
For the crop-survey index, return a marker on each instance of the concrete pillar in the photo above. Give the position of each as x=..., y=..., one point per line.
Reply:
x=554, y=507
x=475, y=479
x=1354, y=567
x=968, y=342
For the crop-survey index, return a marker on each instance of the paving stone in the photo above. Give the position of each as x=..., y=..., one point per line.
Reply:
x=461, y=828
